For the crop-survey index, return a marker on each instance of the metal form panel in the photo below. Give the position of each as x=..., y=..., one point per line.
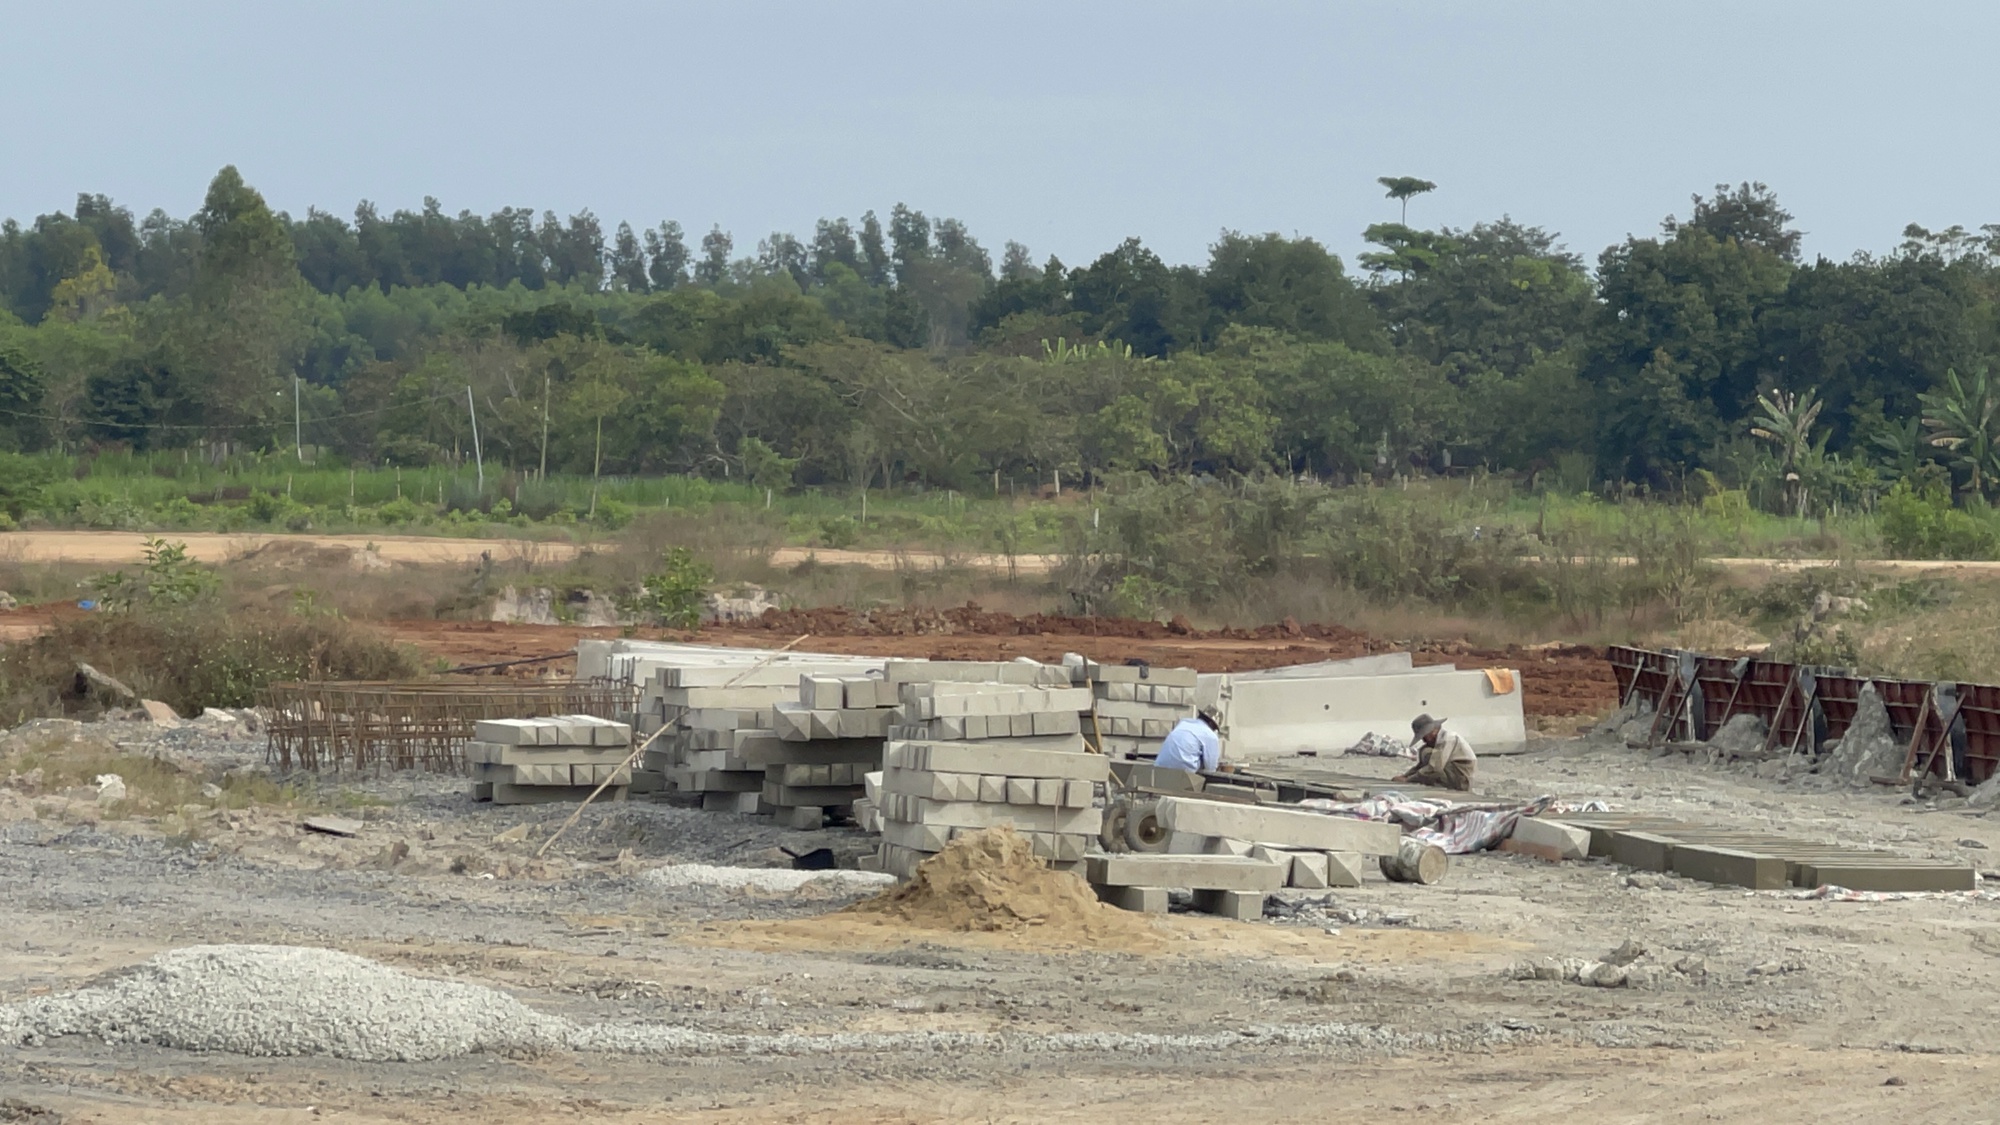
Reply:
x=1718, y=679
x=1905, y=700
x=1979, y=712
x=1839, y=697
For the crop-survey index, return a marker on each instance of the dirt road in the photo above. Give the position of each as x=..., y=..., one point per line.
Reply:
x=117, y=547
x=1400, y=1001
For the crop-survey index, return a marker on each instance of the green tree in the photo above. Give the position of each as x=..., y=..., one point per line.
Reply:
x=1402, y=189
x=244, y=329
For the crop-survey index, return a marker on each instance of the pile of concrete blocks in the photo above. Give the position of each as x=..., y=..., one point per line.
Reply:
x=829, y=740
x=1232, y=855
x=968, y=754
x=715, y=740
x=1133, y=707
x=558, y=758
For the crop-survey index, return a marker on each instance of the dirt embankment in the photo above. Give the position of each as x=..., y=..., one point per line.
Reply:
x=1558, y=680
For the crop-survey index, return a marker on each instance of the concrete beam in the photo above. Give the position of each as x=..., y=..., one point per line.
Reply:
x=1286, y=828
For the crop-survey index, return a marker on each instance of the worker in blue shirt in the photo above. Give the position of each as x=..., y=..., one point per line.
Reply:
x=1192, y=745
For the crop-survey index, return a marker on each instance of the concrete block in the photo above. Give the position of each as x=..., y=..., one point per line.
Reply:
x=992, y=789
x=1728, y=867
x=1272, y=716
x=1343, y=869
x=794, y=796
x=869, y=723
x=977, y=726
x=1139, y=900
x=972, y=815
x=1078, y=794
x=750, y=696
x=916, y=837
x=1020, y=790
x=1243, y=906
x=506, y=794
x=823, y=724
x=1643, y=850
x=716, y=781
x=1200, y=872
x=998, y=758
x=804, y=818
x=745, y=803
x=1219, y=845
x=507, y=732
x=771, y=752
x=1128, y=674
x=1309, y=871
x=792, y=722
x=1880, y=875
x=1283, y=827
x=1049, y=792
x=822, y=693
x=1569, y=842
x=931, y=786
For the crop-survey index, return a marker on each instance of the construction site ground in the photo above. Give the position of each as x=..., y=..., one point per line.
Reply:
x=1387, y=1002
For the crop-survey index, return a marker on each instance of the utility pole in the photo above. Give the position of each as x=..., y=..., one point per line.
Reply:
x=298, y=432
x=544, y=474
x=597, y=467
x=479, y=462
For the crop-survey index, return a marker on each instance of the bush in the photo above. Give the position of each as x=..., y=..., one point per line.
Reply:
x=1924, y=525
x=168, y=579
x=674, y=595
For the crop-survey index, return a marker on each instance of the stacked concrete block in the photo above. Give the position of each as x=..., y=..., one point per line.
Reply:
x=967, y=755
x=558, y=758
x=708, y=752
x=830, y=739
x=1134, y=707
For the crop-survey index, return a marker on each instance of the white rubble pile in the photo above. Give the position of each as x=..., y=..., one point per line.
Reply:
x=772, y=879
x=277, y=1001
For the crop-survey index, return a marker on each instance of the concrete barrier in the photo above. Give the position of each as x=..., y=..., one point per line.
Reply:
x=1271, y=716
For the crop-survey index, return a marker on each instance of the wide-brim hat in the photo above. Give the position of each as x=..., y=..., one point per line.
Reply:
x=1424, y=724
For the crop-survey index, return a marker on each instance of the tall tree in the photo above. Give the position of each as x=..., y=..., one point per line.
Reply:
x=628, y=261
x=1402, y=189
x=874, y=251
x=714, y=265
x=245, y=326
x=667, y=248
x=1749, y=213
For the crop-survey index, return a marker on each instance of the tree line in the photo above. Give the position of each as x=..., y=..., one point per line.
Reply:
x=885, y=352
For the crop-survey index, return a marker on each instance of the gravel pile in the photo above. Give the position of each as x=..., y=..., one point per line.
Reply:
x=777, y=880
x=275, y=1001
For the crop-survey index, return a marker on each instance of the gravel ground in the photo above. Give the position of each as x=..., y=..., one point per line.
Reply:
x=658, y=933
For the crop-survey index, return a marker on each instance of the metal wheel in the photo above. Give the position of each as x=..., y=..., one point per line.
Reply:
x=1143, y=830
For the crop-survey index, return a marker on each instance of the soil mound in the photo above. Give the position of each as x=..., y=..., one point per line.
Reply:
x=991, y=881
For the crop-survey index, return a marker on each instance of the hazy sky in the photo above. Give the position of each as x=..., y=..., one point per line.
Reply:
x=1067, y=126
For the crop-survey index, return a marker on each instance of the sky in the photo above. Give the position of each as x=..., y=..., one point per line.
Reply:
x=1066, y=126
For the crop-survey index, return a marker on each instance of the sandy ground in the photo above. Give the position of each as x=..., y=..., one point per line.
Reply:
x=1761, y=1007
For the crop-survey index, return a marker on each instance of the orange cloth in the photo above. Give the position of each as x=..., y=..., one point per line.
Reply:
x=1502, y=680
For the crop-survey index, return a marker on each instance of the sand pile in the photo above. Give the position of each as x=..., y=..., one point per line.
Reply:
x=991, y=881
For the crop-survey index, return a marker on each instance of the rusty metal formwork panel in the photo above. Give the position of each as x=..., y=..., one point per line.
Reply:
x=1625, y=664
x=1938, y=743
x=1797, y=727
x=1720, y=678
x=1648, y=676
x=1763, y=689
x=1979, y=711
x=1839, y=697
x=420, y=725
x=1905, y=700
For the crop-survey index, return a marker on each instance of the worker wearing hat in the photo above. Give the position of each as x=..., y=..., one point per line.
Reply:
x=1444, y=758
x=1193, y=745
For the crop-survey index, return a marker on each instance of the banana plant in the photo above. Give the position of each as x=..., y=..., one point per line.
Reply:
x=1964, y=418
x=1787, y=423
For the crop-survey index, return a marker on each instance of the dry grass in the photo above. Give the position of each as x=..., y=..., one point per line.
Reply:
x=189, y=659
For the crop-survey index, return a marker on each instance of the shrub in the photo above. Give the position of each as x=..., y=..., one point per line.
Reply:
x=167, y=579
x=1924, y=525
x=674, y=594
